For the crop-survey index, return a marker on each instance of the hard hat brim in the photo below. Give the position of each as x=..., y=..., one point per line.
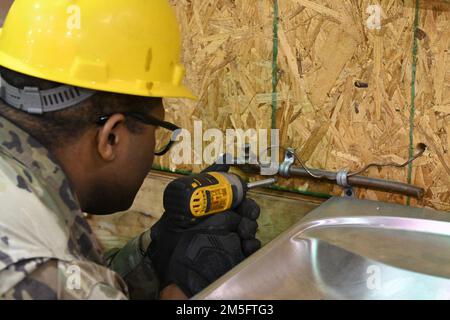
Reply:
x=137, y=88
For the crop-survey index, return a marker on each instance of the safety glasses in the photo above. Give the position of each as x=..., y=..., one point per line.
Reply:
x=166, y=133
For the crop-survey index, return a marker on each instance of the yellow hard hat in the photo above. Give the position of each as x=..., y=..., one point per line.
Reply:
x=122, y=46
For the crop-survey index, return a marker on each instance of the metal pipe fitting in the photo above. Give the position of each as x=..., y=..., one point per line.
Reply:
x=362, y=182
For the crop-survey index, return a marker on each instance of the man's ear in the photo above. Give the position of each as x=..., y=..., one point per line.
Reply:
x=108, y=137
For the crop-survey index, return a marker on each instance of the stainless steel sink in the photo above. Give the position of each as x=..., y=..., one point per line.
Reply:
x=348, y=249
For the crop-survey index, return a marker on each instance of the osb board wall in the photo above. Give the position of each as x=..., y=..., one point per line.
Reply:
x=228, y=55
x=324, y=47
x=433, y=104
x=4, y=8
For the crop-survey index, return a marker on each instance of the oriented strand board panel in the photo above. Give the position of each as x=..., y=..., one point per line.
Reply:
x=433, y=103
x=4, y=8
x=324, y=51
x=324, y=47
x=228, y=55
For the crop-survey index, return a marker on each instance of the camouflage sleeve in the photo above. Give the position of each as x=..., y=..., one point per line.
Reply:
x=133, y=265
x=55, y=279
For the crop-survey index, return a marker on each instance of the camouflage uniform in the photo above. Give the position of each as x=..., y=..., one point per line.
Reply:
x=47, y=249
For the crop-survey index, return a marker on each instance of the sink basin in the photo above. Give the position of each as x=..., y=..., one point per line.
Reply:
x=348, y=249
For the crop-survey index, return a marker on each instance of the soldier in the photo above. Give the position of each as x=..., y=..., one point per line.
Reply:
x=81, y=93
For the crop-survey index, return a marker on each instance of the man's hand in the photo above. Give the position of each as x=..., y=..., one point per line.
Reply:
x=193, y=254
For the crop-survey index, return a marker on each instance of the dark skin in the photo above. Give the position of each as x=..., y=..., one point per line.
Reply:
x=108, y=164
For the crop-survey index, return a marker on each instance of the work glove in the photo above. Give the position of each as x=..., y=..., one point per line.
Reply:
x=248, y=210
x=193, y=253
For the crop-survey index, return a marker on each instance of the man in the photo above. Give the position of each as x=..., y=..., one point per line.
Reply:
x=82, y=84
